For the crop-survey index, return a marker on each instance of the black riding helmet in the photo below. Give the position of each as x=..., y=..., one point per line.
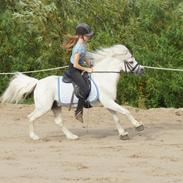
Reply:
x=83, y=29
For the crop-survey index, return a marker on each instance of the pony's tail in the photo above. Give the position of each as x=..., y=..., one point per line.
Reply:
x=20, y=86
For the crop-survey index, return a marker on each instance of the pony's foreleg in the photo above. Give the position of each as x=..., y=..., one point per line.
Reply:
x=122, y=133
x=110, y=104
x=58, y=120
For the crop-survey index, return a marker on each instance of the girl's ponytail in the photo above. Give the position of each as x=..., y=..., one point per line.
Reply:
x=70, y=42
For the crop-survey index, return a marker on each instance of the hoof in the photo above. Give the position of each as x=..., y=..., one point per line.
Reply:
x=124, y=137
x=33, y=136
x=140, y=128
x=73, y=137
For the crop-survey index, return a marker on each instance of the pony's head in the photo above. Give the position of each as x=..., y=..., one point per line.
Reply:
x=127, y=62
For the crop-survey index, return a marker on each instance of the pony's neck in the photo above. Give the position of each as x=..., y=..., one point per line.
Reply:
x=109, y=80
x=108, y=64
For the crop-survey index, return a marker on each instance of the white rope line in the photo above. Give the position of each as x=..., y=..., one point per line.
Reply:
x=63, y=67
x=26, y=72
x=163, y=68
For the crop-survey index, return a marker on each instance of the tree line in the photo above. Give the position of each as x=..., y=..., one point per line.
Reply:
x=31, y=33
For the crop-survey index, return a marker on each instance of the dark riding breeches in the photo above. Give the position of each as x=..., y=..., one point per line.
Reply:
x=77, y=78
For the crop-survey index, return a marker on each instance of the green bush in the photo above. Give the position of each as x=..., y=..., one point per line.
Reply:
x=31, y=33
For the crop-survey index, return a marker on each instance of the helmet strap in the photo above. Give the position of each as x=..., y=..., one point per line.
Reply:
x=83, y=37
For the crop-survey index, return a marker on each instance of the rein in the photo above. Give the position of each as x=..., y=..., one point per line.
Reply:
x=118, y=72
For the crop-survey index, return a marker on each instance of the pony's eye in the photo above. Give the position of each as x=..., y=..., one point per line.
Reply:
x=131, y=62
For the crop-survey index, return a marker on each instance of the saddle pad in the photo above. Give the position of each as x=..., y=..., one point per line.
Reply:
x=65, y=91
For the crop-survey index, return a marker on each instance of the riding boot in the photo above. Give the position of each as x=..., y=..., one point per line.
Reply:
x=79, y=115
x=87, y=104
x=79, y=111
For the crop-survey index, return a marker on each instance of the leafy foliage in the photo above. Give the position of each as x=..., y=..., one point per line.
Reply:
x=31, y=33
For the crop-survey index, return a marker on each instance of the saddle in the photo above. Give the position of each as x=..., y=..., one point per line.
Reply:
x=67, y=77
x=76, y=91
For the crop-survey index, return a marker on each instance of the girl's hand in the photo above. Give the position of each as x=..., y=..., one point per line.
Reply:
x=89, y=70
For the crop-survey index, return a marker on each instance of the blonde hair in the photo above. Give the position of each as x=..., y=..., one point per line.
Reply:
x=70, y=42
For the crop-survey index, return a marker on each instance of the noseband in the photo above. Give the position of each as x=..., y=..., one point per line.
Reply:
x=130, y=67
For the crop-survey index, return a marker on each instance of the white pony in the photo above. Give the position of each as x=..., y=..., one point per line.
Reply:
x=111, y=61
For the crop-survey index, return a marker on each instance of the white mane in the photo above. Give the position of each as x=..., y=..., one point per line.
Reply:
x=114, y=51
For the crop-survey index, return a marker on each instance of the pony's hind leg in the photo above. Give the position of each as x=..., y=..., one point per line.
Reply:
x=44, y=94
x=42, y=106
x=58, y=120
x=32, y=117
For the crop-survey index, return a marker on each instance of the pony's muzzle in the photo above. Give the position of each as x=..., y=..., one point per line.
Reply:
x=140, y=70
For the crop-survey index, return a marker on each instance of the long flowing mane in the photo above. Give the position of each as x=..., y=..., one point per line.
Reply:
x=114, y=51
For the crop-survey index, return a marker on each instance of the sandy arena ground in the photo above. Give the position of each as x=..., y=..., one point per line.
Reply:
x=152, y=156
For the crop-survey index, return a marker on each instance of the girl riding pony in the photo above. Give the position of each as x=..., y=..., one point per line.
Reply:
x=78, y=43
